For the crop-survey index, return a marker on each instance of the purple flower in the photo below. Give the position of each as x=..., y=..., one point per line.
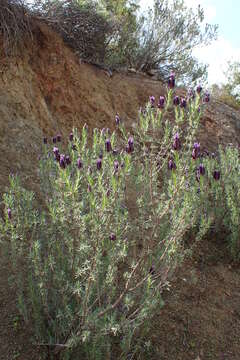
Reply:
x=152, y=270
x=115, y=152
x=191, y=93
x=59, y=138
x=112, y=237
x=108, y=145
x=176, y=142
x=196, y=150
x=161, y=102
x=176, y=101
x=171, y=165
x=201, y=169
x=99, y=164
x=9, y=212
x=100, y=156
x=55, y=150
x=71, y=136
x=117, y=119
x=45, y=140
x=79, y=163
x=206, y=97
x=54, y=139
x=68, y=160
x=62, y=161
x=183, y=103
x=216, y=174
x=130, y=146
x=116, y=165
x=152, y=100
x=171, y=80
x=199, y=89
x=57, y=157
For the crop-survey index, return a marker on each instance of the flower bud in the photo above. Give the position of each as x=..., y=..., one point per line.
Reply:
x=68, y=160
x=171, y=165
x=130, y=146
x=99, y=164
x=79, y=163
x=176, y=101
x=199, y=89
x=152, y=270
x=216, y=174
x=152, y=100
x=191, y=93
x=171, y=80
x=161, y=102
x=71, y=136
x=62, y=161
x=45, y=140
x=59, y=138
x=117, y=119
x=201, y=169
x=9, y=213
x=108, y=145
x=196, y=150
x=183, y=103
x=116, y=165
x=54, y=139
x=176, y=143
x=206, y=97
x=112, y=237
x=55, y=150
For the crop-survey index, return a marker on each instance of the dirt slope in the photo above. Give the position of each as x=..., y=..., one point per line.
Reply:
x=47, y=91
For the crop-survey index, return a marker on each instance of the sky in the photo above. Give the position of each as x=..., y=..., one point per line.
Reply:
x=227, y=46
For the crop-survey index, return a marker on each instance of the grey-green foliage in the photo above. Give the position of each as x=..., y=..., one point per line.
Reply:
x=90, y=265
x=119, y=34
x=167, y=35
x=233, y=80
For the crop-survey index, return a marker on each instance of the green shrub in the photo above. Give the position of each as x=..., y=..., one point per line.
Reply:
x=89, y=268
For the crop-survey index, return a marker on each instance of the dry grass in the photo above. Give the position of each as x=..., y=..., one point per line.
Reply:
x=15, y=26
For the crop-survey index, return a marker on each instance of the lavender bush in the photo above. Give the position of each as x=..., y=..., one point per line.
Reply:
x=90, y=265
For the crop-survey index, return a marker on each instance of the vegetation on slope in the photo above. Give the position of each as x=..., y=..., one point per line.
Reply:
x=119, y=214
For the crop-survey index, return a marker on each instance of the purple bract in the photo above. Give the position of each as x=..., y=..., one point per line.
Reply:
x=79, y=163
x=176, y=101
x=171, y=80
x=99, y=164
x=176, y=142
x=171, y=165
x=9, y=212
x=161, y=102
x=108, y=145
x=183, y=103
x=216, y=174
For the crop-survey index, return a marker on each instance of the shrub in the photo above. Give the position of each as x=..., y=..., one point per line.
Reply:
x=89, y=269
x=15, y=25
